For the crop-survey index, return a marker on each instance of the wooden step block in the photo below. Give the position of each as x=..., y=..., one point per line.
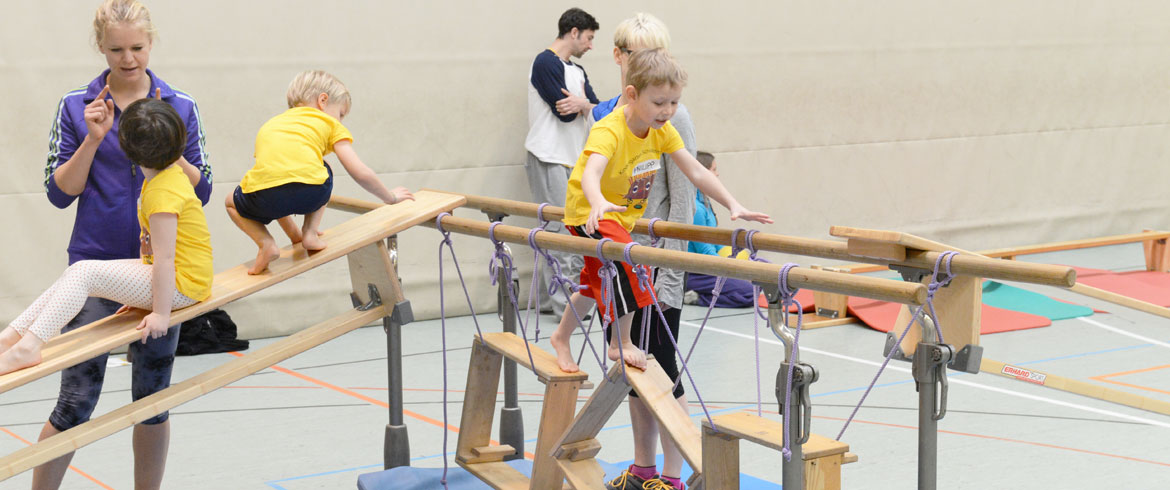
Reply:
x=849, y=458
x=577, y=451
x=492, y=453
x=498, y=474
x=512, y=347
x=770, y=433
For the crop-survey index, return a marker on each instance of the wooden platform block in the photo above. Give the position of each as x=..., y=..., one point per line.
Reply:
x=512, y=346
x=1157, y=254
x=479, y=403
x=822, y=456
x=492, y=453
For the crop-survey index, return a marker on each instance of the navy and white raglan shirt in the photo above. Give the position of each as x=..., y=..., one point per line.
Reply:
x=106, y=226
x=554, y=138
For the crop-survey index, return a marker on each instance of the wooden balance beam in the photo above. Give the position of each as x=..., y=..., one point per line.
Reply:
x=361, y=240
x=115, y=331
x=823, y=457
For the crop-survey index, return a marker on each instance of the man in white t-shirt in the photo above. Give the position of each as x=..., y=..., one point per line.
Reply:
x=560, y=101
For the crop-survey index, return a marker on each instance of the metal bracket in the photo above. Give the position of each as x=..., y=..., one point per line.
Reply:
x=827, y=313
x=402, y=314
x=375, y=299
x=930, y=366
x=968, y=359
x=911, y=274
x=495, y=215
x=892, y=344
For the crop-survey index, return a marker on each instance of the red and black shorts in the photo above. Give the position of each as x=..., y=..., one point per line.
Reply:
x=628, y=296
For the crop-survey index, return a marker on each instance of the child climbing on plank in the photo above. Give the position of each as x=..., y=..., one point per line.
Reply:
x=290, y=177
x=175, y=268
x=608, y=188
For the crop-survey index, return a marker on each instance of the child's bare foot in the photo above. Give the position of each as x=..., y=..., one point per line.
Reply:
x=630, y=352
x=312, y=242
x=19, y=357
x=266, y=254
x=8, y=338
x=560, y=344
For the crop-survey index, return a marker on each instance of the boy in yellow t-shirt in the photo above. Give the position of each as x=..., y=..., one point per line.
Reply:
x=290, y=177
x=609, y=185
x=175, y=269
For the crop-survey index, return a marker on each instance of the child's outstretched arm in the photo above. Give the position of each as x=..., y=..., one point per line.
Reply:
x=591, y=186
x=163, y=230
x=366, y=177
x=713, y=188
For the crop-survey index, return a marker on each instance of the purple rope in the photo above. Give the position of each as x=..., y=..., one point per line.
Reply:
x=608, y=273
x=787, y=299
x=443, y=323
x=645, y=285
x=559, y=284
x=540, y=214
x=932, y=288
x=719, y=281
x=650, y=231
x=532, y=291
x=501, y=258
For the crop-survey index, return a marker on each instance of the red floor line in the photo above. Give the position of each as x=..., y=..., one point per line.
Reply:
x=1004, y=439
x=85, y=475
x=424, y=418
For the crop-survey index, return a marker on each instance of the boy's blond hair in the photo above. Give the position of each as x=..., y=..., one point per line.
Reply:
x=642, y=30
x=653, y=67
x=307, y=85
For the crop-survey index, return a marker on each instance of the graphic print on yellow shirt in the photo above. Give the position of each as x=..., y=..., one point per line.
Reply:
x=170, y=192
x=633, y=164
x=290, y=148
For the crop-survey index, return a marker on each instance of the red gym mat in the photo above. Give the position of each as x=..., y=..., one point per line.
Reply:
x=1149, y=286
x=803, y=296
x=881, y=315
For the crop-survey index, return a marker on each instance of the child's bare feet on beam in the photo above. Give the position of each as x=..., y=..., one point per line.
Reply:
x=560, y=344
x=267, y=253
x=630, y=352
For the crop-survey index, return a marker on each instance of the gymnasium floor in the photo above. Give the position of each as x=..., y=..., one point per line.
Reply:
x=316, y=420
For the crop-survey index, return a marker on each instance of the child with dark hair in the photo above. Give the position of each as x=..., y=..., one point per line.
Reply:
x=175, y=268
x=736, y=293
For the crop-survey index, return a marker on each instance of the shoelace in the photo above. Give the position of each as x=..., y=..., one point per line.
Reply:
x=657, y=484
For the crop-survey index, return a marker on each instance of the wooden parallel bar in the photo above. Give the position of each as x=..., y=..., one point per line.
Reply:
x=182, y=392
x=800, y=277
x=1006, y=270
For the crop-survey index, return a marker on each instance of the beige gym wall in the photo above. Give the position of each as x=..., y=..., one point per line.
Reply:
x=983, y=124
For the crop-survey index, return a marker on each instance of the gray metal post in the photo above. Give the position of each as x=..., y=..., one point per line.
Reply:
x=511, y=419
x=396, y=445
x=803, y=375
x=929, y=370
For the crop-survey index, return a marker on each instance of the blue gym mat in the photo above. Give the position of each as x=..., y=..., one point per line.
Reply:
x=411, y=478
x=1012, y=298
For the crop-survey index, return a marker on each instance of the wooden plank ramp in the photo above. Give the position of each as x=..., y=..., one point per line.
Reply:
x=187, y=390
x=115, y=331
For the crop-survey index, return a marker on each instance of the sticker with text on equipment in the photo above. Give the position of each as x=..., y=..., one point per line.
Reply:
x=1024, y=374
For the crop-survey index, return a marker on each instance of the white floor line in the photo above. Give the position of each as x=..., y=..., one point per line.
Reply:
x=1098, y=324
x=951, y=379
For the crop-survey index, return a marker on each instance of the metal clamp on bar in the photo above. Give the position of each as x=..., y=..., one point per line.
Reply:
x=375, y=299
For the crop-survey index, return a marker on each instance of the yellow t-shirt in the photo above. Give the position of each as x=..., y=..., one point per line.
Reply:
x=633, y=163
x=170, y=192
x=290, y=147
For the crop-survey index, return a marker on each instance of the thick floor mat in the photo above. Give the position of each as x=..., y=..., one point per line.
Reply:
x=881, y=315
x=1149, y=286
x=1012, y=298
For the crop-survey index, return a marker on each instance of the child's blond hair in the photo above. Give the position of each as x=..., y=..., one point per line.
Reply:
x=653, y=67
x=113, y=12
x=642, y=30
x=307, y=85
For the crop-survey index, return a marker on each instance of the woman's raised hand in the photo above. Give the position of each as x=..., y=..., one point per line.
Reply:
x=99, y=115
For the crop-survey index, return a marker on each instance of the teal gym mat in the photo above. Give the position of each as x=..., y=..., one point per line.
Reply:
x=1007, y=297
